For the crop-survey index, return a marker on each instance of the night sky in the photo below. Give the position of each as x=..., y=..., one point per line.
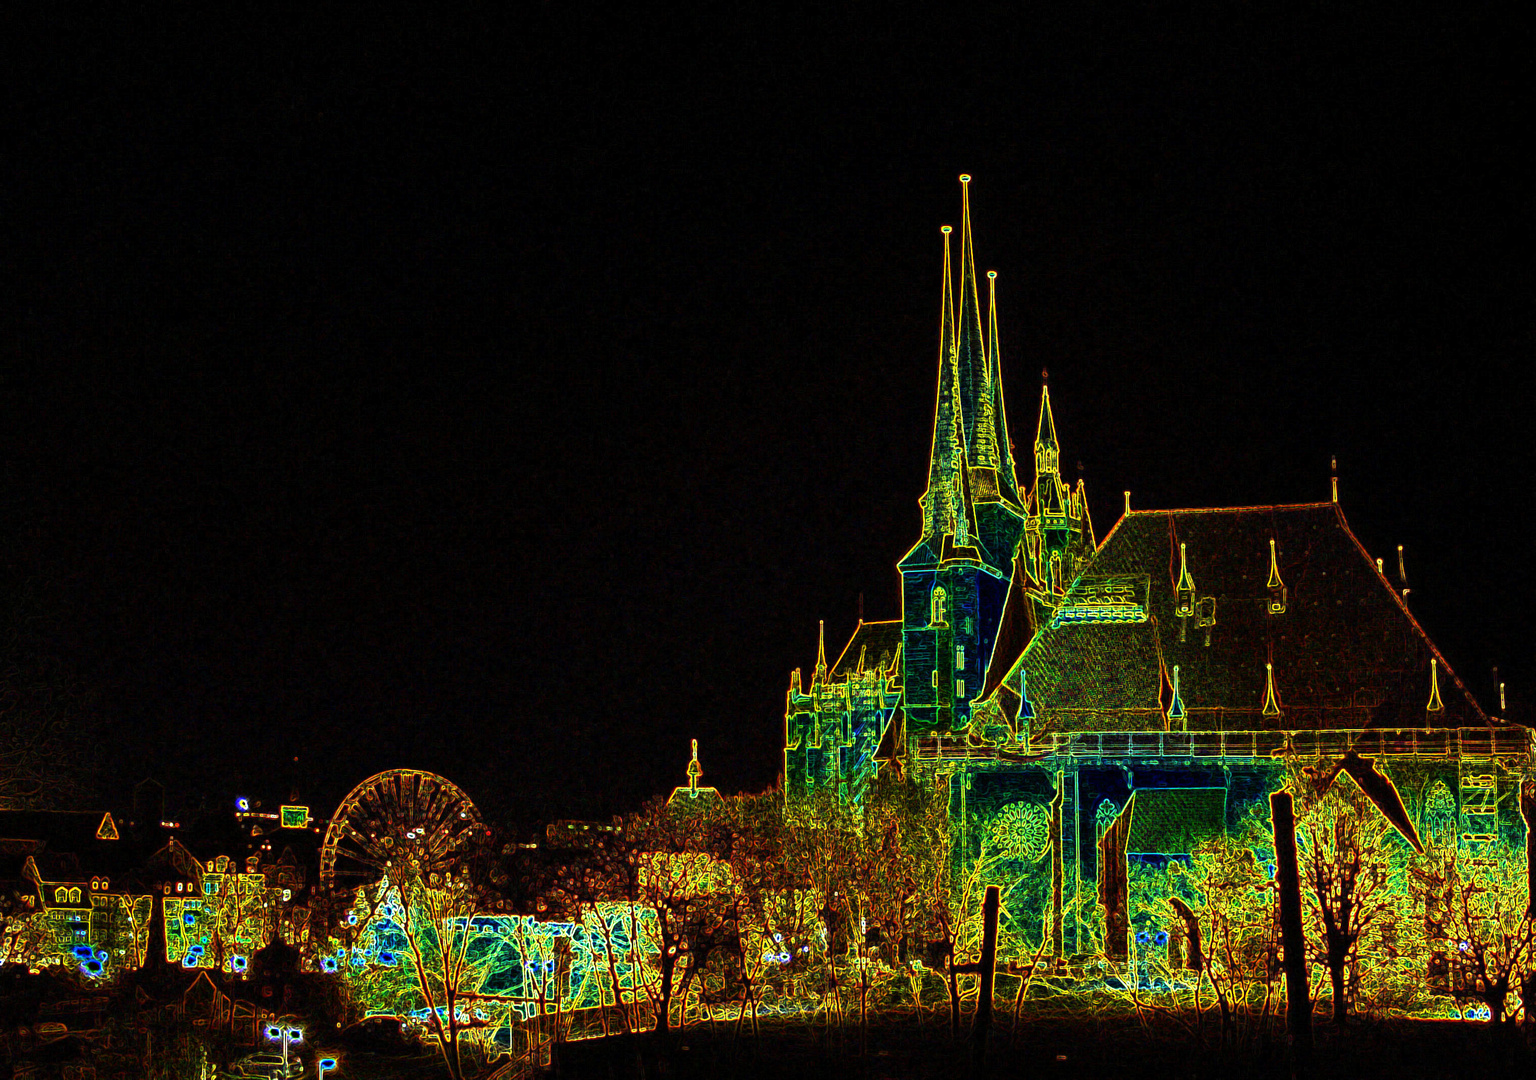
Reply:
x=510, y=397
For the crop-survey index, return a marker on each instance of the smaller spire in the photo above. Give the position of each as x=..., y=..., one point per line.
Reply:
x=1271, y=701
x=1186, y=583
x=1435, y=704
x=821, y=653
x=1045, y=430
x=1176, y=707
x=1089, y=539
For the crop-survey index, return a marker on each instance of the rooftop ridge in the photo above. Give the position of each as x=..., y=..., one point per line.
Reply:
x=1417, y=626
x=1229, y=509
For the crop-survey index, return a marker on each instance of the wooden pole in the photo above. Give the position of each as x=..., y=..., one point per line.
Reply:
x=1298, y=1007
x=986, y=972
x=1058, y=872
x=1528, y=812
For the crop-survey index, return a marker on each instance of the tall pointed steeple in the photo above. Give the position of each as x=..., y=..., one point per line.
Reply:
x=970, y=348
x=1007, y=480
x=940, y=461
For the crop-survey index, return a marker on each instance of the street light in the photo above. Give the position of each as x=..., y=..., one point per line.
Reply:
x=287, y=1035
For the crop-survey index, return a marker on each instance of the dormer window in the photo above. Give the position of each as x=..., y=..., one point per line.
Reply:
x=1275, y=585
x=61, y=895
x=1184, y=604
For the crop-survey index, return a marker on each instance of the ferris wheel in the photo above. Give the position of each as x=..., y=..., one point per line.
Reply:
x=401, y=821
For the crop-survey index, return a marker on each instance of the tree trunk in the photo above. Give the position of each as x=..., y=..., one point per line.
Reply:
x=1298, y=1007
x=1114, y=885
x=954, y=999
x=664, y=1013
x=987, y=974
x=1336, y=980
x=1194, y=957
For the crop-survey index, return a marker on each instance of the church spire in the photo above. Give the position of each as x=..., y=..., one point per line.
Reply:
x=1049, y=497
x=970, y=349
x=1007, y=481
x=941, y=460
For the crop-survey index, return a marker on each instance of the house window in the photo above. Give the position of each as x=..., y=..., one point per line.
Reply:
x=938, y=606
x=960, y=656
x=934, y=678
x=959, y=688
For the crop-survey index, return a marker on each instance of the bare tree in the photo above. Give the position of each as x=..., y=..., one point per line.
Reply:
x=1346, y=879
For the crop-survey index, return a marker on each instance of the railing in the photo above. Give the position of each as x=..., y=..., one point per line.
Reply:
x=1369, y=742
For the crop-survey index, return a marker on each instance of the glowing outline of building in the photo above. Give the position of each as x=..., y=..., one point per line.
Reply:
x=1170, y=667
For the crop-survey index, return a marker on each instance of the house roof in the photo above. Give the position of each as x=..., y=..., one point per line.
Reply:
x=878, y=642
x=1346, y=652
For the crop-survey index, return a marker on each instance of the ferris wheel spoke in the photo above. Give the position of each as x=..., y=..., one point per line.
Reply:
x=429, y=820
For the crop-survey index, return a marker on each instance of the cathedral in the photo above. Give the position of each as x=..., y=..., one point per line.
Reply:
x=1127, y=696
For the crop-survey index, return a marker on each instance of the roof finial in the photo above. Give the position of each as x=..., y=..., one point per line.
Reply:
x=821, y=649
x=1502, y=706
x=1271, y=702
x=972, y=394
x=1402, y=574
x=1274, y=567
x=1176, y=708
x=1127, y=503
x=1333, y=465
x=695, y=770
x=1435, y=704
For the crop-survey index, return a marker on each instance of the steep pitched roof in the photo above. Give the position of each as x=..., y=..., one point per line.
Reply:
x=878, y=642
x=1346, y=652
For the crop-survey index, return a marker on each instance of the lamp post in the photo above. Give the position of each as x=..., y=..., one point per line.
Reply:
x=287, y=1034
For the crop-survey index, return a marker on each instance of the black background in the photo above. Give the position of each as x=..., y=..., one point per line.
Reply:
x=510, y=397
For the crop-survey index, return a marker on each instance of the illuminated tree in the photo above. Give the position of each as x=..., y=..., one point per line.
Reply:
x=436, y=920
x=1477, y=908
x=1235, y=943
x=1346, y=850
x=684, y=877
